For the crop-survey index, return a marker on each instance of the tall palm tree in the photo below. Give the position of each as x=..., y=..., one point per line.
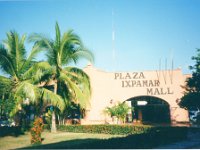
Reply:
x=22, y=74
x=69, y=82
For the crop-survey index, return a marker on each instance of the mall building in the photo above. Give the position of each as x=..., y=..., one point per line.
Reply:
x=153, y=94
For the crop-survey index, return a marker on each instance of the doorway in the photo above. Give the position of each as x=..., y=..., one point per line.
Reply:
x=148, y=109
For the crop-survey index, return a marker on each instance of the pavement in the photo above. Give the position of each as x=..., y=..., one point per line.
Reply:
x=192, y=142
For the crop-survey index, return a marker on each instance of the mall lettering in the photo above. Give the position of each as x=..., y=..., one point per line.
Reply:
x=159, y=91
x=137, y=79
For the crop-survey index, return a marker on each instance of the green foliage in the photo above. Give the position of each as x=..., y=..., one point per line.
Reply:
x=47, y=117
x=10, y=131
x=27, y=79
x=23, y=74
x=191, y=100
x=72, y=83
x=119, y=110
x=105, y=129
x=6, y=106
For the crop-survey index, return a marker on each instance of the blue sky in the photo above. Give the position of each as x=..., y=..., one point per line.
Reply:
x=146, y=31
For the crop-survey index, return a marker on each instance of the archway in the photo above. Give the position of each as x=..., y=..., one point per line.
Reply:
x=149, y=109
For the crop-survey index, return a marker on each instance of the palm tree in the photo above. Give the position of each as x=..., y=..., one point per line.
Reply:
x=119, y=110
x=22, y=74
x=69, y=82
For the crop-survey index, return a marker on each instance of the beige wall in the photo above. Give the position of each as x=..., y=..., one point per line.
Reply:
x=120, y=86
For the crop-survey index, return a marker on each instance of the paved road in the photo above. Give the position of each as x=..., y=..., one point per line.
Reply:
x=192, y=142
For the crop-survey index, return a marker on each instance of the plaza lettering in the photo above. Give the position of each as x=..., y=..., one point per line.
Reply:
x=138, y=80
x=133, y=75
x=140, y=83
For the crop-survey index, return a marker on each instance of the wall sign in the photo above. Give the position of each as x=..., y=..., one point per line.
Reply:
x=138, y=80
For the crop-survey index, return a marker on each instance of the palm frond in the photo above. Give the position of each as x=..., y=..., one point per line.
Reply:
x=68, y=39
x=16, y=49
x=36, y=71
x=43, y=43
x=52, y=57
x=31, y=58
x=83, y=53
x=5, y=85
x=76, y=54
x=41, y=40
x=76, y=91
x=57, y=39
x=79, y=76
x=6, y=63
x=17, y=104
x=48, y=75
x=64, y=92
x=53, y=99
x=33, y=93
x=27, y=90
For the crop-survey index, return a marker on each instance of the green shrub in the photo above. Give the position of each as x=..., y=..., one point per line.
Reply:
x=105, y=129
x=119, y=110
x=138, y=137
x=12, y=131
x=47, y=127
x=154, y=132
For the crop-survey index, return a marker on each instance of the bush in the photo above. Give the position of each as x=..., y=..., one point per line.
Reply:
x=138, y=137
x=47, y=127
x=36, y=131
x=119, y=110
x=12, y=131
x=105, y=129
x=166, y=132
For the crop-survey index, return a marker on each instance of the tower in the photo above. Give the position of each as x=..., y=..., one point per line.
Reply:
x=113, y=43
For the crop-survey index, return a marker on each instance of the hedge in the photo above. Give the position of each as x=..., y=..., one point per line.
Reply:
x=105, y=129
x=137, y=137
x=125, y=129
x=12, y=131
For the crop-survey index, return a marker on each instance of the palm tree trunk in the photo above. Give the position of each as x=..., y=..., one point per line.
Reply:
x=53, y=121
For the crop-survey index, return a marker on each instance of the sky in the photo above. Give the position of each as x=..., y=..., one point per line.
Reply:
x=147, y=33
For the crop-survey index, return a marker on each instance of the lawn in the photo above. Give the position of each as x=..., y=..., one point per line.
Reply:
x=22, y=141
x=97, y=139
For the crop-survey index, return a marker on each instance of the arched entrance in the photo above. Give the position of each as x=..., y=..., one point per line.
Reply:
x=149, y=109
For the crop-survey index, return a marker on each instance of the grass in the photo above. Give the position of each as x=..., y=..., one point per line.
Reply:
x=67, y=140
x=22, y=141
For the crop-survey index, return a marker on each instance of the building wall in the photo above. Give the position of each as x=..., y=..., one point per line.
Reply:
x=111, y=87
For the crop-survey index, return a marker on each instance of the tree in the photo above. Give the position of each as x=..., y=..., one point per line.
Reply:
x=69, y=82
x=22, y=74
x=120, y=111
x=191, y=98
